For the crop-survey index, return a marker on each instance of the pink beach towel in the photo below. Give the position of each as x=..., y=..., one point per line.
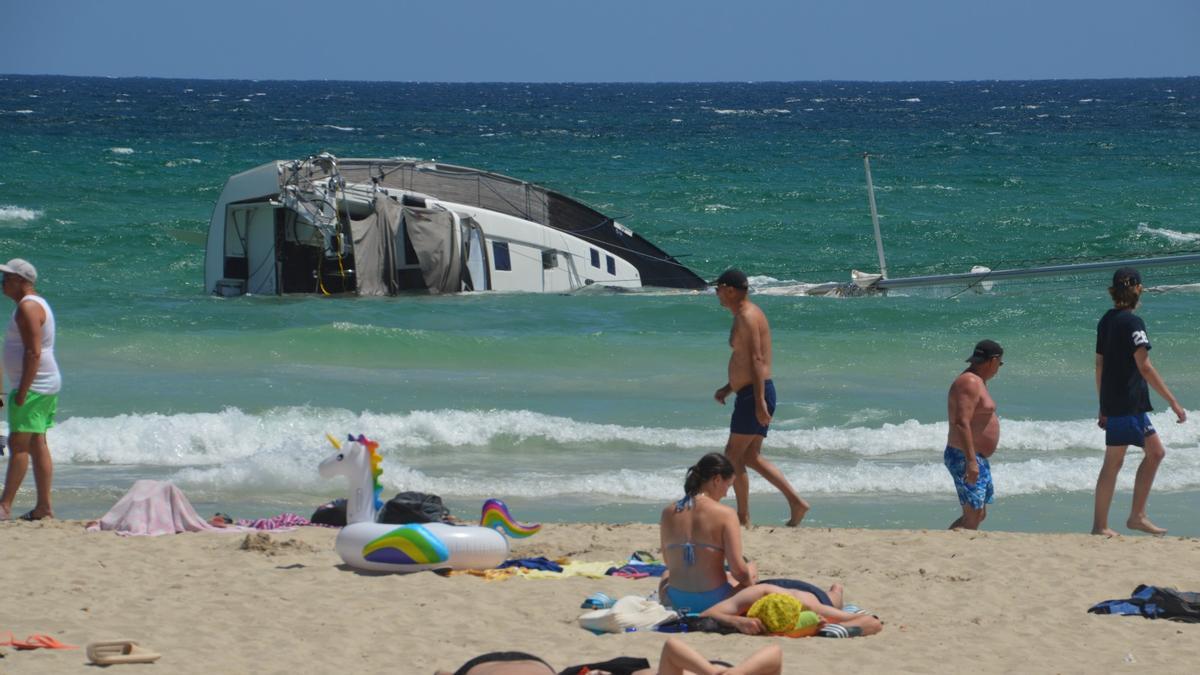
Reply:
x=283, y=521
x=152, y=508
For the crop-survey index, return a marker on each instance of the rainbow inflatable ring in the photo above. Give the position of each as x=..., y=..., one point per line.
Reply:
x=366, y=544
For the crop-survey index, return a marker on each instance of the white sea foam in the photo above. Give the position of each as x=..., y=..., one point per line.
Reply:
x=14, y=213
x=522, y=453
x=19, y=112
x=334, y=126
x=912, y=100
x=182, y=162
x=738, y=111
x=121, y=151
x=1170, y=235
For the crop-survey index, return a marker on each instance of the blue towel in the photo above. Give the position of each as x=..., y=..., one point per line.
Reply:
x=797, y=585
x=539, y=563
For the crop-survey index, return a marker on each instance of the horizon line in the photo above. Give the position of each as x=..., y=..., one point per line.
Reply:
x=593, y=82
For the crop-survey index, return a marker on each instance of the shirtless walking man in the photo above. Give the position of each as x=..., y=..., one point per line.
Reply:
x=750, y=378
x=974, y=434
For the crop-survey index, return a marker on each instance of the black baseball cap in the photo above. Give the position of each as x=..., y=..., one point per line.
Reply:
x=733, y=277
x=1126, y=276
x=984, y=350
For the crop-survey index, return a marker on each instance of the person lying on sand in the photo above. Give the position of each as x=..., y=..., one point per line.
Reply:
x=732, y=612
x=677, y=658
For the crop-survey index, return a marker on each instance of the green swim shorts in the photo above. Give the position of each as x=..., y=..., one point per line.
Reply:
x=35, y=417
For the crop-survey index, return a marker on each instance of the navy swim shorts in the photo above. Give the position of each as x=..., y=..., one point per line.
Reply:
x=1128, y=430
x=744, y=421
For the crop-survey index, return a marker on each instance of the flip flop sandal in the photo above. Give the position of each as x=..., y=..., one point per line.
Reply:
x=36, y=641
x=119, y=651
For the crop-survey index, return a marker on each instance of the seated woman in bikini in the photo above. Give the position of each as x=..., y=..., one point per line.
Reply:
x=700, y=536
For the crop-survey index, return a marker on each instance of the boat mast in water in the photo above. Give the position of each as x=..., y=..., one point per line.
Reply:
x=979, y=277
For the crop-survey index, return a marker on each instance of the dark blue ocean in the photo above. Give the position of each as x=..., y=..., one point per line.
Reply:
x=589, y=406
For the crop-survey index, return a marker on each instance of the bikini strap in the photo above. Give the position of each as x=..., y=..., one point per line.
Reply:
x=687, y=502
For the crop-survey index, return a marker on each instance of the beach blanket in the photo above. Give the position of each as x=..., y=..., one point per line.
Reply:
x=152, y=508
x=1154, y=602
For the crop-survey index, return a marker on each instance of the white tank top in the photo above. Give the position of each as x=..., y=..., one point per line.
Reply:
x=48, y=380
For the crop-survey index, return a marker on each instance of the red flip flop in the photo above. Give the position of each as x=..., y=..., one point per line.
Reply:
x=35, y=641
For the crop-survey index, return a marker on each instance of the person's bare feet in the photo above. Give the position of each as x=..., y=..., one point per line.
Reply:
x=1106, y=532
x=836, y=591
x=1143, y=524
x=798, y=512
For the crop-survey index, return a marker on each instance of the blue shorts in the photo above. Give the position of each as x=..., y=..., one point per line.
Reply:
x=744, y=421
x=1128, y=430
x=981, y=493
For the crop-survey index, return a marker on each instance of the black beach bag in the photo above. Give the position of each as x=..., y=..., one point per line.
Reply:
x=333, y=513
x=413, y=507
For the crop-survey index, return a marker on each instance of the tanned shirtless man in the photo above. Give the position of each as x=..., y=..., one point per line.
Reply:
x=974, y=434
x=750, y=379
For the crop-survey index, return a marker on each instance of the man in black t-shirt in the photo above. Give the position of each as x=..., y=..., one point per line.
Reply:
x=1123, y=371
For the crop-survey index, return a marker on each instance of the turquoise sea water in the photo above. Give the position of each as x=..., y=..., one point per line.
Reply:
x=588, y=406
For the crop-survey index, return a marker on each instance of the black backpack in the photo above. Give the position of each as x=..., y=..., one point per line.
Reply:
x=1176, y=605
x=333, y=513
x=1154, y=602
x=413, y=507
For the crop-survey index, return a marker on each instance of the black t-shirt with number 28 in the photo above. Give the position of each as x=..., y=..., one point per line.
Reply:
x=1123, y=390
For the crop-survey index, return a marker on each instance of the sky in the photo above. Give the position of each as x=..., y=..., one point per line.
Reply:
x=602, y=40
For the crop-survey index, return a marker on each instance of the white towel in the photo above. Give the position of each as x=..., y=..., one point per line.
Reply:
x=630, y=612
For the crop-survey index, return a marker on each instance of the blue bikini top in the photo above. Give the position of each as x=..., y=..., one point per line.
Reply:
x=689, y=548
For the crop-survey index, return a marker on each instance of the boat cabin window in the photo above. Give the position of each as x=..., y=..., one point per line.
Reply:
x=501, y=257
x=612, y=264
x=549, y=259
x=595, y=258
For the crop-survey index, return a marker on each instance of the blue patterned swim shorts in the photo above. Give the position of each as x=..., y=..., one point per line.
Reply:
x=981, y=493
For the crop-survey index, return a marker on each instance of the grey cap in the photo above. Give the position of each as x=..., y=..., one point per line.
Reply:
x=22, y=268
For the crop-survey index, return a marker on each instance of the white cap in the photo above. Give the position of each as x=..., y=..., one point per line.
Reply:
x=22, y=268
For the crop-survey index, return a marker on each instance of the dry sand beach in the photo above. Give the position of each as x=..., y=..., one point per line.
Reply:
x=284, y=603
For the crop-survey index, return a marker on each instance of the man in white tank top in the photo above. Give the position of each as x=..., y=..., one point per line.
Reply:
x=34, y=383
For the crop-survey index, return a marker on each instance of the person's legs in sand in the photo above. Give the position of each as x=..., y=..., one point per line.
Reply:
x=970, y=519
x=1142, y=482
x=836, y=592
x=1106, y=485
x=745, y=451
x=678, y=658
x=26, y=448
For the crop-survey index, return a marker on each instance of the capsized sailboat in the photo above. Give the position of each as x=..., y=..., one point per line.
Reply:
x=325, y=225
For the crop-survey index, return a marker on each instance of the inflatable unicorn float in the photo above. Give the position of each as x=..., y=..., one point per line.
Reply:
x=380, y=547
